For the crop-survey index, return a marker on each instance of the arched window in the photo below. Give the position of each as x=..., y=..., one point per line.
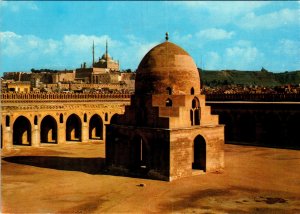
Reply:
x=35, y=120
x=85, y=118
x=61, y=118
x=192, y=91
x=7, y=121
x=168, y=102
x=195, y=112
x=169, y=90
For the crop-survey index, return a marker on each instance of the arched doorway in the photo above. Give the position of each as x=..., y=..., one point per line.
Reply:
x=96, y=127
x=73, y=128
x=22, y=131
x=48, y=130
x=139, y=153
x=199, y=151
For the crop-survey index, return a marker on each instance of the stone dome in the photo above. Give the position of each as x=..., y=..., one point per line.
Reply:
x=167, y=66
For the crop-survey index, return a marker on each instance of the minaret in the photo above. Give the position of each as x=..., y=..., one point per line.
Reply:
x=106, y=51
x=93, y=54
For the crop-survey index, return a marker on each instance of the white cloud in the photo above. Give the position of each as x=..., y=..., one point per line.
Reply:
x=270, y=20
x=219, y=11
x=29, y=51
x=288, y=47
x=214, y=34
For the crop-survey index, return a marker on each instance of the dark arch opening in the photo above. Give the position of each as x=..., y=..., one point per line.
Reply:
x=61, y=118
x=96, y=127
x=192, y=91
x=114, y=119
x=48, y=130
x=195, y=112
x=139, y=153
x=22, y=131
x=85, y=118
x=7, y=121
x=169, y=102
x=192, y=117
x=35, y=120
x=106, y=117
x=199, y=153
x=73, y=128
x=169, y=90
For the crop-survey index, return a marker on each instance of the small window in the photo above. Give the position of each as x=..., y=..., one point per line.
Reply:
x=35, y=120
x=61, y=118
x=168, y=102
x=7, y=121
x=84, y=117
x=106, y=117
x=192, y=91
x=169, y=90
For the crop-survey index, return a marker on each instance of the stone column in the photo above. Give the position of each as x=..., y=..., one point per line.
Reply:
x=61, y=133
x=85, y=132
x=7, y=137
x=35, y=136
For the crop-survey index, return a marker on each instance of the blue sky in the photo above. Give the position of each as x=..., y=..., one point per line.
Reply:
x=218, y=35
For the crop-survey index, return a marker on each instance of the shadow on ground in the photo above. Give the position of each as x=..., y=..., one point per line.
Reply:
x=86, y=165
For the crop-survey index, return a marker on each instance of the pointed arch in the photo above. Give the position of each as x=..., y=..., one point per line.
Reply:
x=192, y=91
x=195, y=114
x=48, y=130
x=169, y=90
x=22, y=131
x=96, y=127
x=199, y=151
x=169, y=102
x=73, y=128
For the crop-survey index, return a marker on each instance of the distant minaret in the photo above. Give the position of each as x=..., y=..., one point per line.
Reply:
x=93, y=54
x=106, y=51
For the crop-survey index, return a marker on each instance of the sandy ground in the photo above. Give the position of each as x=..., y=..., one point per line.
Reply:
x=69, y=179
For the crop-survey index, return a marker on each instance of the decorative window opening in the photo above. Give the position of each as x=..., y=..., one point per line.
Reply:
x=169, y=90
x=85, y=118
x=192, y=91
x=35, y=120
x=169, y=102
x=7, y=121
x=106, y=117
x=61, y=118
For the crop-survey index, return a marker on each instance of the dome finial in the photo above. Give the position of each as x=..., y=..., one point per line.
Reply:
x=167, y=36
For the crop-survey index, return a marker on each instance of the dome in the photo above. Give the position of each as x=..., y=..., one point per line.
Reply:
x=104, y=57
x=167, y=66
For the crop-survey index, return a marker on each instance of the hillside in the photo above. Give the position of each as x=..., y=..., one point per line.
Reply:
x=261, y=78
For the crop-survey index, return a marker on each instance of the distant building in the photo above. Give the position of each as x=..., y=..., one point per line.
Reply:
x=105, y=70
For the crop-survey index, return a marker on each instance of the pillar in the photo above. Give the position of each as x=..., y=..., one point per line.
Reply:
x=7, y=137
x=35, y=137
x=61, y=133
x=85, y=132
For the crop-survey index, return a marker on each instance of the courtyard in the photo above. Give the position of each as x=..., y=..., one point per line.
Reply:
x=71, y=178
